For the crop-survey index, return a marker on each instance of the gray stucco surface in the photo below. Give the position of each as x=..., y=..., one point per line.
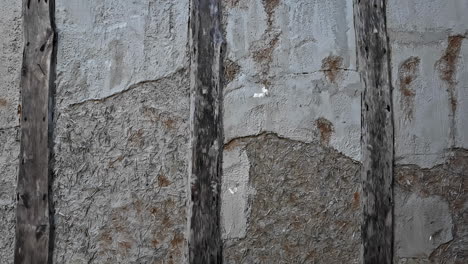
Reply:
x=291, y=122
x=121, y=132
x=11, y=43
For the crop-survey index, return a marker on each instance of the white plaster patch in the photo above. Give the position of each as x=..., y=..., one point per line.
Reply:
x=262, y=94
x=235, y=192
x=421, y=224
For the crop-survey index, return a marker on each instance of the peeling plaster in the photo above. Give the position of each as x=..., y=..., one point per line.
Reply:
x=306, y=61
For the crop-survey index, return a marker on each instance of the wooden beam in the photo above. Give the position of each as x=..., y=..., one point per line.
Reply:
x=206, y=41
x=377, y=131
x=32, y=219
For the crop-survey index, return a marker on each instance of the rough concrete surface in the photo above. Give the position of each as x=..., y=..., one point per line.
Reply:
x=121, y=174
x=304, y=203
x=9, y=152
x=11, y=44
x=431, y=212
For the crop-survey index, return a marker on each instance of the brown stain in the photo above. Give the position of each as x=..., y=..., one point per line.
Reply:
x=154, y=210
x=331, y=67
x=231, y=3
x=177, y=240
x=265, y=54
x=105, y=238
x=169, y=123
x=231, y=69
x=137, y=138
x=125, y=246
x=3, y=102
x=151, y=113
x=311, y=255
x=407, y=73
x=326, y=129
x=154, y=243
x=232, y=145
x=356, y=200
x=341, y=224
x=288, y=248
x=270, y=6
x=166, y=222
x=163, y=181
x=112, y=162
x=447, y=67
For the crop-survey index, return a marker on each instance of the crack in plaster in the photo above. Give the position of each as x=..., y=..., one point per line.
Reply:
x=131, y=87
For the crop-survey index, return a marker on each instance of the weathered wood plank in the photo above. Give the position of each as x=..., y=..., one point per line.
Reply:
x=377, y=131
x=206, y=42
x=32, y=222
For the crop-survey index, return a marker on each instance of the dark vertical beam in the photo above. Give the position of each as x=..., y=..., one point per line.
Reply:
x=377, y=131
x=206, y=42
x=32, y=219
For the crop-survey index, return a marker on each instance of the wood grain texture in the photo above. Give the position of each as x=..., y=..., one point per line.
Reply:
x=206, y=41
x=32, y=223
x=377, y=131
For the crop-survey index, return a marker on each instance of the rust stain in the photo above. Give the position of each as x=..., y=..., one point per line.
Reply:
x=447, y=67
x=356, y=200
x=154, y=210
x=331, y=67
x=265, y=55
x=177, y=239
x=137, y=138
x=3, y=102
x=163, y=181
x=232, y=145
x=166, y=222
x=125, y=246
x=112, y=162
x=106, y=238
x=232, y=3
x=169, y=123
x=154, y=243
x=407, y=73
x=326, y=129
x=231, y=69
x=151, y=113
x=289, y=249
x=270, y=6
